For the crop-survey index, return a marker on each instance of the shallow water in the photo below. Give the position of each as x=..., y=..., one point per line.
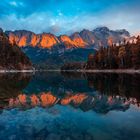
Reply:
x=69, y=106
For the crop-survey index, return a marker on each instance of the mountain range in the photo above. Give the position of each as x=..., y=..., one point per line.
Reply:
x=47, y=50
x=100, y=36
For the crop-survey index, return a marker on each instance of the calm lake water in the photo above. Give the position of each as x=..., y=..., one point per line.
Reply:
x=69, y=106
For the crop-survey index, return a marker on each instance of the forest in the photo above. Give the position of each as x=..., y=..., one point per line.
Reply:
x=124, y=55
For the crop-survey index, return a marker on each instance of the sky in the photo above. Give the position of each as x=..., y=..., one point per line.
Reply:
x=67, y=16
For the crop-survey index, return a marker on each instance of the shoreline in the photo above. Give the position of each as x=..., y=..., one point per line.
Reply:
x=131, y=71
x=17, y=71
x=82, y=71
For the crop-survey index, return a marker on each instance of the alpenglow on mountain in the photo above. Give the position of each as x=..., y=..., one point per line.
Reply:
x=84, y=39
x=47, y=51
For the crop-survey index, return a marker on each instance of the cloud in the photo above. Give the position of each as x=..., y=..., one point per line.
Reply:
x=13, y=3
x=66, y=17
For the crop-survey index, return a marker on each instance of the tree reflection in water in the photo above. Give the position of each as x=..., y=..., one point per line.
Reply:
x=11, y=85
x=103, y=93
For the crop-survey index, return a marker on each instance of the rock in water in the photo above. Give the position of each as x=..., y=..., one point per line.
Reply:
x=11, y=56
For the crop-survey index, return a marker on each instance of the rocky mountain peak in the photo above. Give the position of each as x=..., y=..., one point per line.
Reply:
x=48, y=40
x=123, y=32
x=64, y=38
x=78, y=40
x=83, y=39
x=101, y=29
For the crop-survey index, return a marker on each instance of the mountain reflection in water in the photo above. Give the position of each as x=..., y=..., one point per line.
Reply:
x=69, y=106
x=101, y=93
x=98, y=103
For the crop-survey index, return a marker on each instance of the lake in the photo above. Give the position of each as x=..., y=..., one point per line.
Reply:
x=69, y=106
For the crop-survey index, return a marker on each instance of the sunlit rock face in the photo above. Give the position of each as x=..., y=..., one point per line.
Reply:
x=65, y=38
x=84, y=39
x=26, y=38
x=34, y=40
x=22, y=41
x=66, y=41
x=78, y=40
x=74, y=41
x=21, y=38
x=48, y=40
